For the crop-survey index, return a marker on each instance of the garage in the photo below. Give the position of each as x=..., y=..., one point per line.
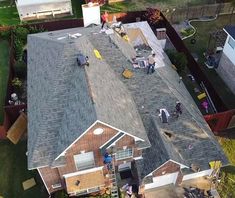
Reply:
x=162, y=180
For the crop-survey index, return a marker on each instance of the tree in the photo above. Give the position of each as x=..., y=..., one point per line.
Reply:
x=153, y=15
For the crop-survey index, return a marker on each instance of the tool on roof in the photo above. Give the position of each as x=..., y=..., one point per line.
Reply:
x=127, y=73
x=97, y=54
x=118, y=27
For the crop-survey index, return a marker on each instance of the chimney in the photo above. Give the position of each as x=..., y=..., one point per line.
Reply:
x=161, y=33
x=91, y=14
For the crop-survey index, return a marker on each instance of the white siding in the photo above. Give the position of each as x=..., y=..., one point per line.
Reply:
x=32, y=2
x=229, y=51
x=198, y=174
x=44, y=9
x=162, y=180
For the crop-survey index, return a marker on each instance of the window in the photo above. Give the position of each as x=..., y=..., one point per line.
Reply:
x=123, y=154
x=84, y=161
x=231, y=42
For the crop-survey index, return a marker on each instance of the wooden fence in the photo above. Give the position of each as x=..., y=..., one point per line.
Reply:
x=193, y=12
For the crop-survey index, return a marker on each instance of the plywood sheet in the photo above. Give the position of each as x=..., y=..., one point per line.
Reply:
x=28, y=184
x=17, y=129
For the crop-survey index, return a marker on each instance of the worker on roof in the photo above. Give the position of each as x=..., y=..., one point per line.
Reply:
x=104, y=19
x=151, y=63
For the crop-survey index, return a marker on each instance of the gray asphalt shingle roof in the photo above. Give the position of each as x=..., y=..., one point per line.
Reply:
x=64, y=100
x=54, y=111
x=230, y=29
x=192, y=141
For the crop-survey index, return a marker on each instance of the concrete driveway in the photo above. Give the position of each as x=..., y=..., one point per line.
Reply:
x=168, y=191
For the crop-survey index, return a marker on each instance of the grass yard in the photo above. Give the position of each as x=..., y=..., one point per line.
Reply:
x=8, y=16
x=13, y=171
x=226, y=187
x=77, y=9
x=134, y=5
x=4, y=58
x=202, y=38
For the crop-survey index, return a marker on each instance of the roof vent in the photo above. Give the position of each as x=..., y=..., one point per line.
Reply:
x=98, y=131
x=169, y=135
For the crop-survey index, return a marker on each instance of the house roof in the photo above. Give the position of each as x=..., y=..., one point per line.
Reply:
x=64, y=100
x=191, y=140
x=230, y=29
x=132, y=103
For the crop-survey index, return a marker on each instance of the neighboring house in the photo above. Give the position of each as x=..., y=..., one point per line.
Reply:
x=226, y=68
x=38, y=9
x=77, y=114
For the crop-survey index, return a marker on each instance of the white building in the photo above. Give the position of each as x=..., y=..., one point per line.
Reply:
x=37, y=9
x=226, y=68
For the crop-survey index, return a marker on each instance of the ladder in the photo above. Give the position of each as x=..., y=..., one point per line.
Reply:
x=113, y=181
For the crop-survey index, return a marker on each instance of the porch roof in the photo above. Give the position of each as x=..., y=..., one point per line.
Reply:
x=85, y=181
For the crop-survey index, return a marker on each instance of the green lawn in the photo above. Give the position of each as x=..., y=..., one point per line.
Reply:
x=134, y=5
x=77, y=9
x=4, y=57
x=227, y=185
x=202, y=38
x=121, y=7
x=13, y=171
x=8, y=16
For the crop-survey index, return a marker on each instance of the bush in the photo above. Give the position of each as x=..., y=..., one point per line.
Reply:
x=186, y=32
x=5, y=34
x=16, y=82
x=20, y=69
x=34, y=29
x=178, y=59
x=21, y=33
x=18, y=46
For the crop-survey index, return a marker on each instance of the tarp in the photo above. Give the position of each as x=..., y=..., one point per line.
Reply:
x=17, y=129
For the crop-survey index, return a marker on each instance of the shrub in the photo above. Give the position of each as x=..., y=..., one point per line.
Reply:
x=34, y=29
x=186, y=32
x=18, y=46
x=17, y=83
x=21, y=33
x=178, y=59
x=5, y=34
x=20, y=69
x=153, y=15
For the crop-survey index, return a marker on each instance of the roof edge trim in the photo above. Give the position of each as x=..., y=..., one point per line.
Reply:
x=157, y=168
x=62, y=153
x=228, y=34
x=135, y=137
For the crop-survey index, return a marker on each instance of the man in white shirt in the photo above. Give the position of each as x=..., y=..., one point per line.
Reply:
x=151, y=63
x=164, y=115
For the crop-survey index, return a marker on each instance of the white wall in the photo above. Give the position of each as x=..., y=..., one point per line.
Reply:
x=198, y=174
x=91, y=14
x=229, y=51
x=162, y=180
x=43, y=9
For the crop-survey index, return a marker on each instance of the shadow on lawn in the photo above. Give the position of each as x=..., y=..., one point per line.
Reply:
x=229, y=169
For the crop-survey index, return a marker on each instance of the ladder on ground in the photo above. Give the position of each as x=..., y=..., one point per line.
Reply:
x=113, y=182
